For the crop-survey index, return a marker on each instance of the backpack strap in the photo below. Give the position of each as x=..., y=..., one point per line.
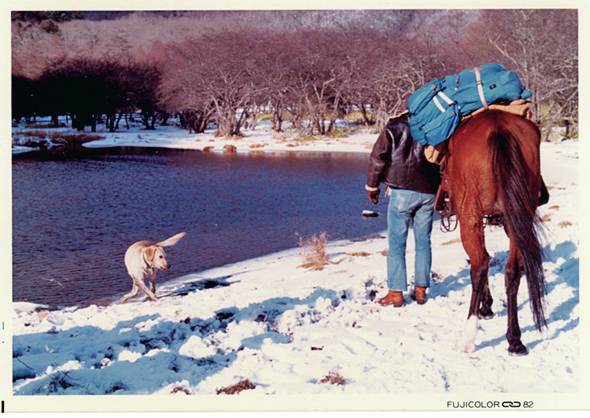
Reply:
x=480, y=87
x=445, y=98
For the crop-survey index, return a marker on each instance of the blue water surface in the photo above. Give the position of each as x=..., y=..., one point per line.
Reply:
x=75, y=215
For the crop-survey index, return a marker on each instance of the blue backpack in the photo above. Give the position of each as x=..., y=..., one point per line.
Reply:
x=435, y=108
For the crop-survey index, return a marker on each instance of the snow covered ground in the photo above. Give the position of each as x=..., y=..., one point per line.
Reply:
x=276, y=328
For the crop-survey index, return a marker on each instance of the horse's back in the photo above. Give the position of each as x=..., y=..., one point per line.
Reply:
x=470, y=138
x=471, y=163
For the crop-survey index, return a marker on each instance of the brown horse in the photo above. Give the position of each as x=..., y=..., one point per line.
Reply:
x=493, y=170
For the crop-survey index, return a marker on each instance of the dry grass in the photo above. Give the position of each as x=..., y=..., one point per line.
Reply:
x=314, y=251
x=359, y=254
x=564, y=224
x=257, y=145
x=237, y=388
x=454, y=241
x=178, y=389
x=334, y=378
x=554, y=207
x=265, y=117
x=546, y=218
x=339, y=133
x=281, y=137
x=305, y=138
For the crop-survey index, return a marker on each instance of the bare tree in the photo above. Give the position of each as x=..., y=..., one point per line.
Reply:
x=213, y=70
x=272, y=75
x=310, y=66
x=541, y=46
x=398, y=68
x=320, y=74
x=179, y=92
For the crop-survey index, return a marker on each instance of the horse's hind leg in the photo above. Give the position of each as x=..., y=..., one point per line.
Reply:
x=512, y=282
x=485, y=309
x=472, y=237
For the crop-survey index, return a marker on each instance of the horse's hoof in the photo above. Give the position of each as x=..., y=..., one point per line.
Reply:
x=465, y=347
x=486, y=316
x=518, y=351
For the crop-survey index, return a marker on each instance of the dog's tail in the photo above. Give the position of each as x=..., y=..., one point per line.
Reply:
x=171, y=241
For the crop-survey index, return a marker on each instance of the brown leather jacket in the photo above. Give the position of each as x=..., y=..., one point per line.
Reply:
x=399, y=162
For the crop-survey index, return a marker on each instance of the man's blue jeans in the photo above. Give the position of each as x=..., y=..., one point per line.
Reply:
x=405, y=206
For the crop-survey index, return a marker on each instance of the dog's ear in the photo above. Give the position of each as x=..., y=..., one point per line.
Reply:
x=149, y=253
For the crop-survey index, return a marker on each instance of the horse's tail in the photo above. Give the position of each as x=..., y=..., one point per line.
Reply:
x=508, y=166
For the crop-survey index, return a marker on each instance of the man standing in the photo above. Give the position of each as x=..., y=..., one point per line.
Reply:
x=399, y=162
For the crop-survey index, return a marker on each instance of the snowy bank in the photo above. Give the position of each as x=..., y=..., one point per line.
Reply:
x=287, y=330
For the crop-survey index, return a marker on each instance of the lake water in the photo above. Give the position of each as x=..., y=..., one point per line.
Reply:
x=75, y=214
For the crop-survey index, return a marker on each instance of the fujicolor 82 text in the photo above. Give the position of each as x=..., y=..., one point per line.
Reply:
x=489, y=405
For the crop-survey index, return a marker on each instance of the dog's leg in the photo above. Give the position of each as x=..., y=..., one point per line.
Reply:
x=145, y=290
x=132, y=293
x=153, y=282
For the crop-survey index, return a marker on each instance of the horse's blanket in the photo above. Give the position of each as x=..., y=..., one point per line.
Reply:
x=435, y=108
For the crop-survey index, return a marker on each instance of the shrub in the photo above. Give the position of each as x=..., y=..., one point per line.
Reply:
x=314, y=251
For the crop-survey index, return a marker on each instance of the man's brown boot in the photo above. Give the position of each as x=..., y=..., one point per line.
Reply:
x=394, y=297
x=419, y=295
